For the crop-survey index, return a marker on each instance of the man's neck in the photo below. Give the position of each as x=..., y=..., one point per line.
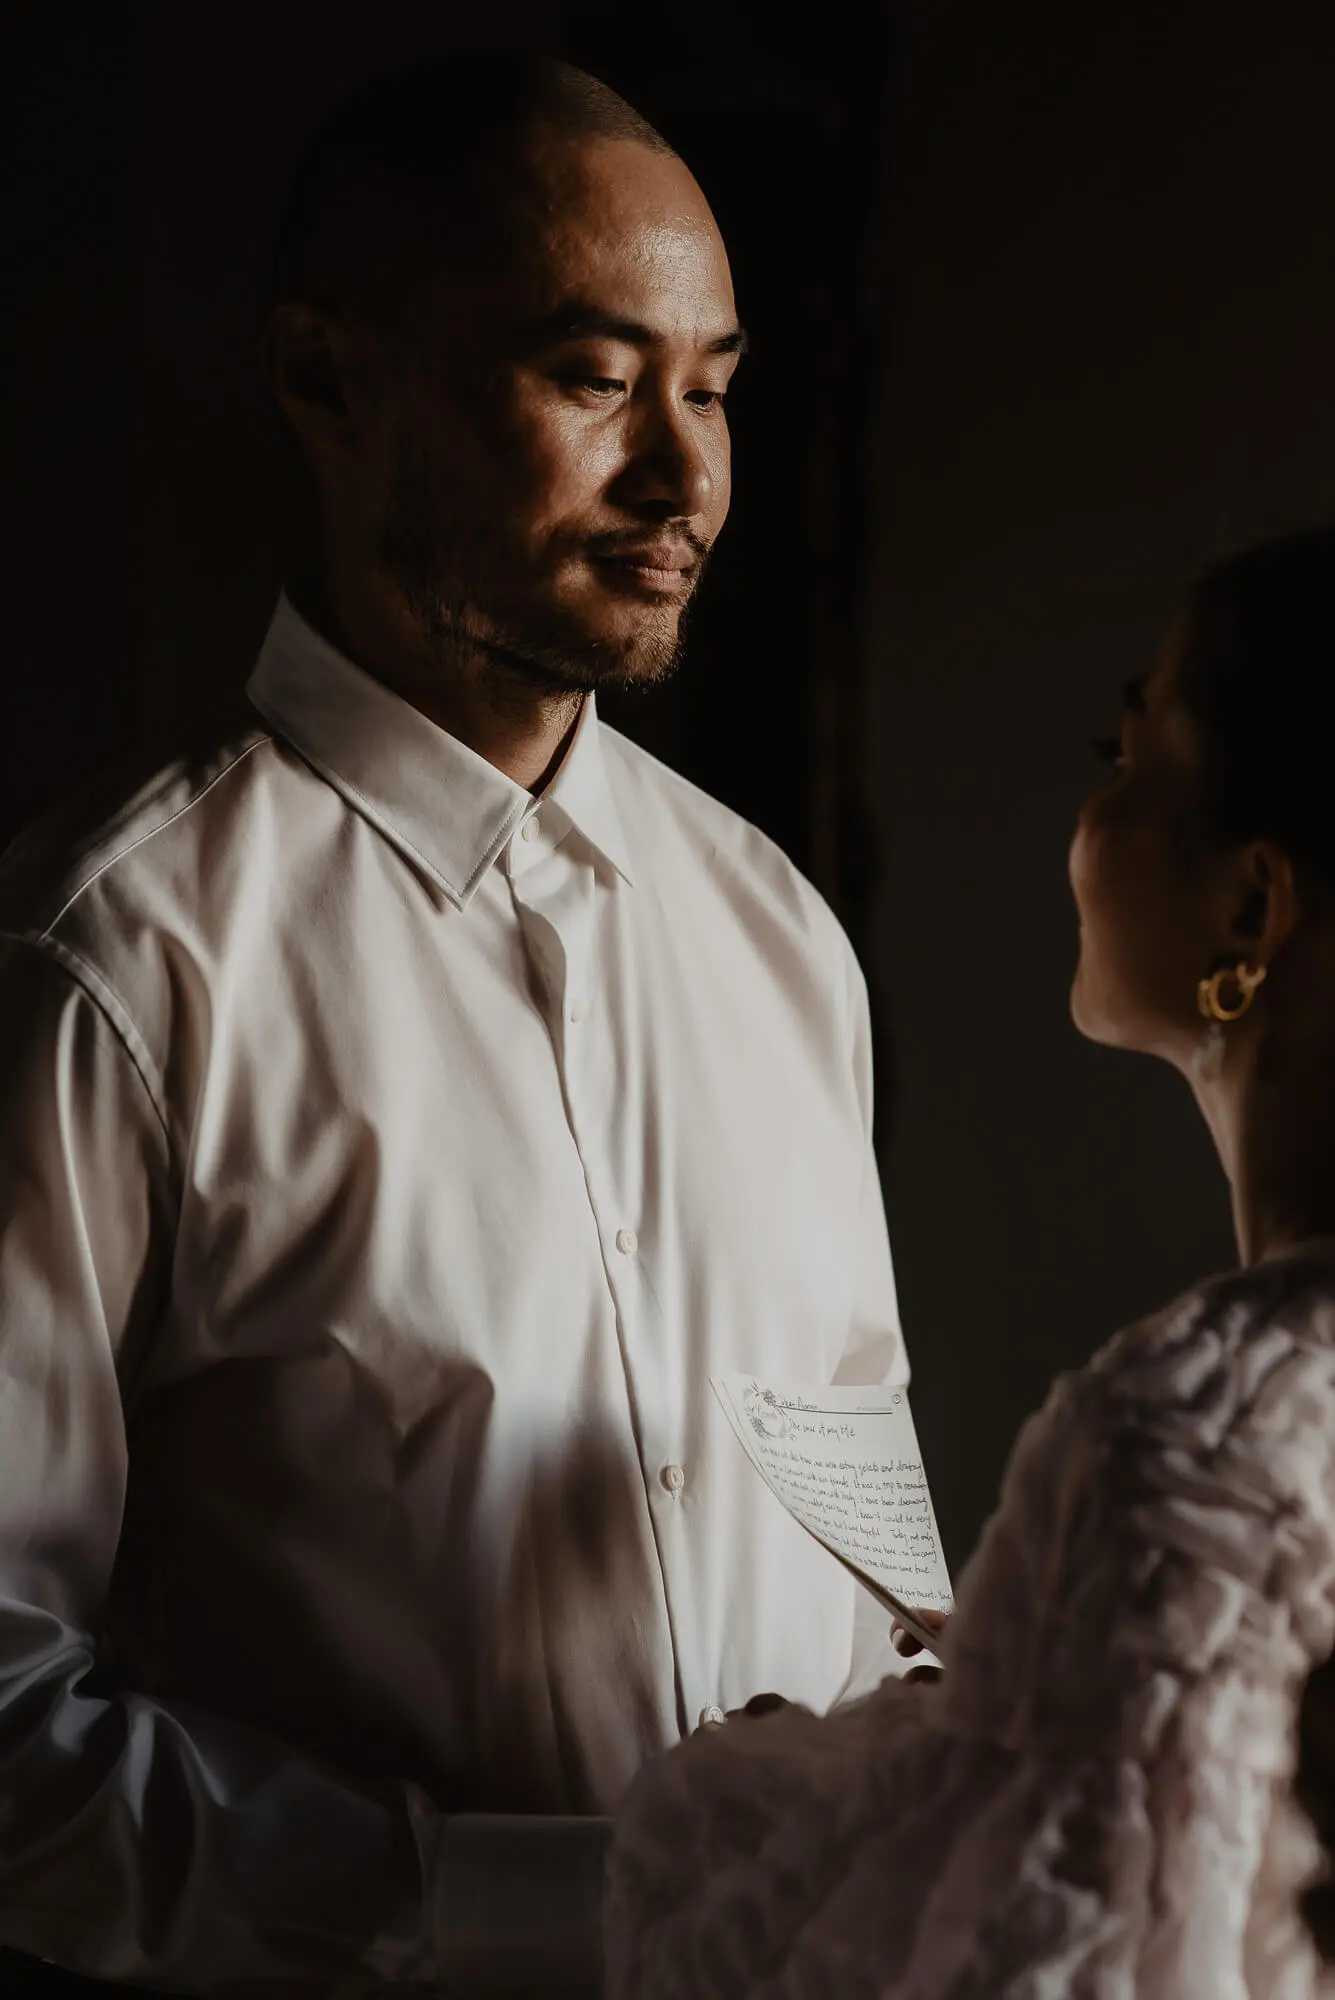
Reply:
x=526, y=741
x=523, y=731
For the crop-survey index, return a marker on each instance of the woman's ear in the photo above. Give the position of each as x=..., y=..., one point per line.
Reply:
x=1265, y=900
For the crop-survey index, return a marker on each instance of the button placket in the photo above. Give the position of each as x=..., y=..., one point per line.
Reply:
x=584, y=1031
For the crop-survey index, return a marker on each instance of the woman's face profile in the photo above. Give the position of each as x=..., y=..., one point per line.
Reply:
x=1142, y=878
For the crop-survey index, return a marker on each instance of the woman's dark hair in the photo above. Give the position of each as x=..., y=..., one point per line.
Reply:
x=1258, y=676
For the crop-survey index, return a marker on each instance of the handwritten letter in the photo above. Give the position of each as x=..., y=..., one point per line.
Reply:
x=846, y=1465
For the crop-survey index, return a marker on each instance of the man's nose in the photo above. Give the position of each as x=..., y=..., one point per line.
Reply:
x=669, y=466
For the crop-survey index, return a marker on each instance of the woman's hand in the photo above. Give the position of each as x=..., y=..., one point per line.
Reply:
x=906, y=1645
x=759, y=1704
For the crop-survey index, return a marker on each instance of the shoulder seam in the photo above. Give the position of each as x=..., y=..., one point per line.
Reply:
x=107, y=1004
x=119, y=855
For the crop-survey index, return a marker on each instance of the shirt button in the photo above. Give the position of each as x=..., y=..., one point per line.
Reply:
x=673, y=1478
x=710, y=1715
x=529, y=830
x=627, y=1242
x=578, y=1009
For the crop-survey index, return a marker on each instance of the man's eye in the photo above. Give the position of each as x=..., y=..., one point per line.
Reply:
x=599, y=385
x=705, y=399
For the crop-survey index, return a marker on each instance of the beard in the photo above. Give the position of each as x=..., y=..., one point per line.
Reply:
x=450, y=568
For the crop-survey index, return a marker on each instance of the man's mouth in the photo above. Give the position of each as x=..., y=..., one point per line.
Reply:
x=659, y=569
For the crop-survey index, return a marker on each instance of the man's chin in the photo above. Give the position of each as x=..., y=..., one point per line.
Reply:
x=588, y=659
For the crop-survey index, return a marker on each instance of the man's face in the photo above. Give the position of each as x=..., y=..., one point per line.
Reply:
x=557, y=467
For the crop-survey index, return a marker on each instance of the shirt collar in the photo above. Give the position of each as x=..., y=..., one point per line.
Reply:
x=581, y=795
x=433, y=798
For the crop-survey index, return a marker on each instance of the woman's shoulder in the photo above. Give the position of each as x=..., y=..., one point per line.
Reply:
x=1220, y=1350
x=1170, y=1510
x=1230, y=1389
x=1245, y=1359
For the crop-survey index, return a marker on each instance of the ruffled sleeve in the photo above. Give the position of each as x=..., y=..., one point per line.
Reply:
x=1096, y=1800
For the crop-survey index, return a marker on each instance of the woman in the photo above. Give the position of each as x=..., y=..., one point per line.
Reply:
x=1096, y=1800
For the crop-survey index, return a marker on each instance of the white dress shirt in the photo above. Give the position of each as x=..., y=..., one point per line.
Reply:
x=387, y=1159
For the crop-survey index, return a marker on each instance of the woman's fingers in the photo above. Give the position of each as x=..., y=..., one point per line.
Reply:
x=904, y=1642
x=759, y=1704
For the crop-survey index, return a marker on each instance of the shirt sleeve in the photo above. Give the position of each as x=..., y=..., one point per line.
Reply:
x=141, y=1840
x=874, y=1350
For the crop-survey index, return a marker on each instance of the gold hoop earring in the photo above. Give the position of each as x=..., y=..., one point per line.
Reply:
x=1210, y=994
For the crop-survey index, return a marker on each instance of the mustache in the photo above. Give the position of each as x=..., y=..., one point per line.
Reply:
x=629, y=541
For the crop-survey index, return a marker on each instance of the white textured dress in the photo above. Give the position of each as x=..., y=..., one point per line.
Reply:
x=1095, y=1802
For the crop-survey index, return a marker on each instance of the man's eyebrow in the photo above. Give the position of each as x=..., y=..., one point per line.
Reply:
x=584, y=322
x=1133, y=694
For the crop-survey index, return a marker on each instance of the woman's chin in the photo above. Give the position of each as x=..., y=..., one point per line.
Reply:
x=1115, y=1027
x=1081, y=1013
x=1094, y=1019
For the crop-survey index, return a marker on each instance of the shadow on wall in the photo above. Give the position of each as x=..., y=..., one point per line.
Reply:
x=149, y=493
x=1109, y=258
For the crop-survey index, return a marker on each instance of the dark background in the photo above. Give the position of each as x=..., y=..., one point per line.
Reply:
x=1043, y=302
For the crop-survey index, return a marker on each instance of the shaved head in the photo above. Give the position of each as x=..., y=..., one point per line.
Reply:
x=436, y=163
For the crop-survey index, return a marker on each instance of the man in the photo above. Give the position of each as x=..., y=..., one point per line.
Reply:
x=406, y=1109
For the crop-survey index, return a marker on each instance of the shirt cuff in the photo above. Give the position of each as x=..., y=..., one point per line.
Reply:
x=509, y=1902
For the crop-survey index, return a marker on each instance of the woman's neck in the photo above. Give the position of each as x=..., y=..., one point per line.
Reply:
x=1272, y=1115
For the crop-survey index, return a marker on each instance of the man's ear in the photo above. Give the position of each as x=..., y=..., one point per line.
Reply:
x=317, y=374
x=1265, y=901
